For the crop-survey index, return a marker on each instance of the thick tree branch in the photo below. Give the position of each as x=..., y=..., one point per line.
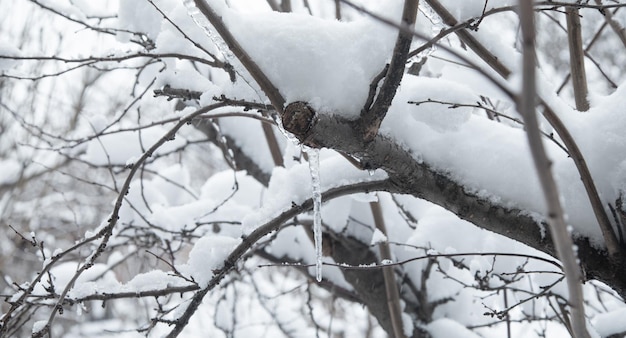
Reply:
x=420, y=180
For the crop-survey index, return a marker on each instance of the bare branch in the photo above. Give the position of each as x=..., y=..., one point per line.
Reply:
x=556, y=218
x=577, y=61
x=391, y=287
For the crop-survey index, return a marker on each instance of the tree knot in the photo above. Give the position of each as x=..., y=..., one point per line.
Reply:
x=298, y=119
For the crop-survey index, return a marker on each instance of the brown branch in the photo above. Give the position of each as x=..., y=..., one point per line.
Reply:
x=272, y=143
x=391, y=287
x=442, y=34
x=372, y=118
x=556, y=218
x=134, y=294
x=590, y=44
x=114, y=58
x=577, y=60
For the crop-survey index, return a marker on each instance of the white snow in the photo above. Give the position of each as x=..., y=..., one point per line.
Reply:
x=11, y=171
x=291, y=185
x=118, y=148
x=610, y=323
x=316, y=57
x=39, y=325
x=207, y=255
x=330, y=65
x=378, y=237
x=445, y=328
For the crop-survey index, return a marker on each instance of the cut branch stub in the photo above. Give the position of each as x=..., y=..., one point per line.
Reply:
x=298, y=118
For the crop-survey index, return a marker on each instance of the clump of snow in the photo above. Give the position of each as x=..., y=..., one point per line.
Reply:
x=445, y=328
x=67, y=8
x=11, y=171
x=320, y=56
x=39, y=325
x=207, y=255
x=378, y=237
x=168, y=202
x=141, y=16
x=184, y=76
x=610, y=323
x=365, y=197
x=89, y=282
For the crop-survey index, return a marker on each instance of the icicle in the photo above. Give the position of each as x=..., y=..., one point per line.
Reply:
x=206, y=26
x=437, y=26
x=221, y=45
x=314, y=167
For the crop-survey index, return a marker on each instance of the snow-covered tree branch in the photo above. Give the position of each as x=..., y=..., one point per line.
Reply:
x=186, y=168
